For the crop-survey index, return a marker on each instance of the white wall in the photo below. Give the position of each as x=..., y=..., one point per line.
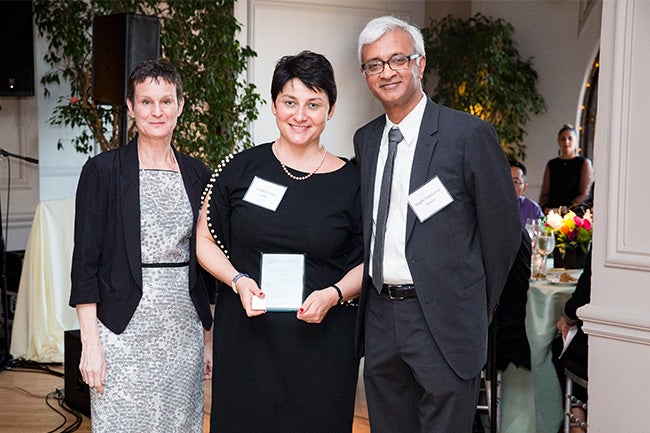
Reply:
x=58, y=169
x=25, y=130
x=18, y=179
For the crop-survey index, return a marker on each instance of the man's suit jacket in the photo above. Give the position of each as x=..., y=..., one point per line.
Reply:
x=459, y=257
x=106, y=261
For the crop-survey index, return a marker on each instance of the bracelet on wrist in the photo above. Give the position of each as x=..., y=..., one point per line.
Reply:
x=234, y=281
x=338, y=290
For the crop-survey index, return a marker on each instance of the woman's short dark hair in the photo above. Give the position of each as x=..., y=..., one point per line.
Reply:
x=313, y=69
x=156, y=69
x=566, y=127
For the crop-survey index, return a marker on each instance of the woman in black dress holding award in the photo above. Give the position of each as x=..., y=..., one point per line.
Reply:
x=278, y=370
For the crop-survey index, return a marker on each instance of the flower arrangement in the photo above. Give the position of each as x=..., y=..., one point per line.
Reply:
x=571, y=231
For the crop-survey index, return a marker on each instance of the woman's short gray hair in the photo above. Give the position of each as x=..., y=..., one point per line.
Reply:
x=378, y=27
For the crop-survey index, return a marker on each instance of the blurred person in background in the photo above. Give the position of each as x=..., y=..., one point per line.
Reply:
x=568, y=179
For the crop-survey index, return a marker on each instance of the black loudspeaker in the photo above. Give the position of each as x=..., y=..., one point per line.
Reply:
x=14, y=268
x=77, y=394
x=120, y=43
x=17, y=45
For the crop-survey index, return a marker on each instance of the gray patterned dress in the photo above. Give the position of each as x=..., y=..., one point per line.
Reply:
x=154, y=378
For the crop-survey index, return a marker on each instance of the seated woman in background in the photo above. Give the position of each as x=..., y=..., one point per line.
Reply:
x=568, y=178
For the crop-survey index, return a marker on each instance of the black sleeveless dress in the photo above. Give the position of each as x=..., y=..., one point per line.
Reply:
x=275, y=373
x=565, y=177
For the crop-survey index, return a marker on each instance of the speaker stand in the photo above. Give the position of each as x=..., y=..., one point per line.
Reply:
x=7, y=362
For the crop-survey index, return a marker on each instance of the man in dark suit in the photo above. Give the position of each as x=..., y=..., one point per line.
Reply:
x=438, y=254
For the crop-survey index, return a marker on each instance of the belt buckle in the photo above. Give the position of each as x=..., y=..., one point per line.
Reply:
x=393, y=297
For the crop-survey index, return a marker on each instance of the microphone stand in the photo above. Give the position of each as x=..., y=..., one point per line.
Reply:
x=6, y=362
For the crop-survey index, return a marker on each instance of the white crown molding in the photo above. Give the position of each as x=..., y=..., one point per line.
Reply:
x=616, y=324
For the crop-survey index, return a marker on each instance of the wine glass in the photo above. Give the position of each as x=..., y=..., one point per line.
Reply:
x=534, y=228
x=545, y=246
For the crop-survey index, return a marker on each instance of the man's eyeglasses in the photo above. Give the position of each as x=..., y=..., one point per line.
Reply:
x=398, y=62
x=518, y=182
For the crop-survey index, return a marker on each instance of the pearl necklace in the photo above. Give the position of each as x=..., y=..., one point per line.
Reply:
x=276, y=151
x=171, y=153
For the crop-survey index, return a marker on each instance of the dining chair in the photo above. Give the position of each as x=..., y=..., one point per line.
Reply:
x=574, y=375
x=490, y=397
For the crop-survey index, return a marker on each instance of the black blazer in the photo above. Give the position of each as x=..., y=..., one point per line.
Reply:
x=106, y=260
x=461, y=256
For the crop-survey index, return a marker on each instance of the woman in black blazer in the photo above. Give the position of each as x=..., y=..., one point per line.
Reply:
x=143, y=302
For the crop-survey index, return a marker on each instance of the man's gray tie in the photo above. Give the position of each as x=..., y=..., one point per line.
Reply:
x=394, y=137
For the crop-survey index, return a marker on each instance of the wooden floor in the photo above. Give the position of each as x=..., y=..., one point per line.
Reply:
x=23, y=408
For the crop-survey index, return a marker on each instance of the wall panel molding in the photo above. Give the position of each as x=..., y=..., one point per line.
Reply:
x=623, y=103
x=616, y=324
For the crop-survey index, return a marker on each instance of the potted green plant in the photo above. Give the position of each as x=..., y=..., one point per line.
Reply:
x=199, y=38
x=479, y=70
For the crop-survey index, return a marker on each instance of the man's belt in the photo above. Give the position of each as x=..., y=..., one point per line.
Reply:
x=399, y=291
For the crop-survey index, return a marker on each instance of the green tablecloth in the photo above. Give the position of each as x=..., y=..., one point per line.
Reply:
x=531, y=401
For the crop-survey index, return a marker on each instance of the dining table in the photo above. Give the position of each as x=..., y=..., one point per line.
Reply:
x=532, y=401
x=42, y=311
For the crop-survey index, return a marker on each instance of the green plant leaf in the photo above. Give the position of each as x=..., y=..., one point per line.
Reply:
x=479, y=70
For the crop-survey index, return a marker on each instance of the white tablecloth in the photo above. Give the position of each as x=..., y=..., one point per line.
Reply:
x=42, y=311
x=531, y=401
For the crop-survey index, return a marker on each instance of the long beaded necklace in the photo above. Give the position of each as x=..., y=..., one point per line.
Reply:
x=276, y=151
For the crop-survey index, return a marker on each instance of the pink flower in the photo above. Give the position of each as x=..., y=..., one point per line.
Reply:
x=586, y=224
x=74, y=99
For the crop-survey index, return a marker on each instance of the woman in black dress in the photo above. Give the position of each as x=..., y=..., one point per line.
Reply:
x=568, y=178
x=286, y=371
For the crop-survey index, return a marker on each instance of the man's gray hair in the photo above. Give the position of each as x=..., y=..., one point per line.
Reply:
x=378, y=27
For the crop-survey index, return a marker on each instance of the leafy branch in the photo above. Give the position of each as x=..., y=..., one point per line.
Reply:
x=480, y=71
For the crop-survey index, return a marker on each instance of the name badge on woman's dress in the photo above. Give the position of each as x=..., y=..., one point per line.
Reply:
x=429, y=199
x=264, y=193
